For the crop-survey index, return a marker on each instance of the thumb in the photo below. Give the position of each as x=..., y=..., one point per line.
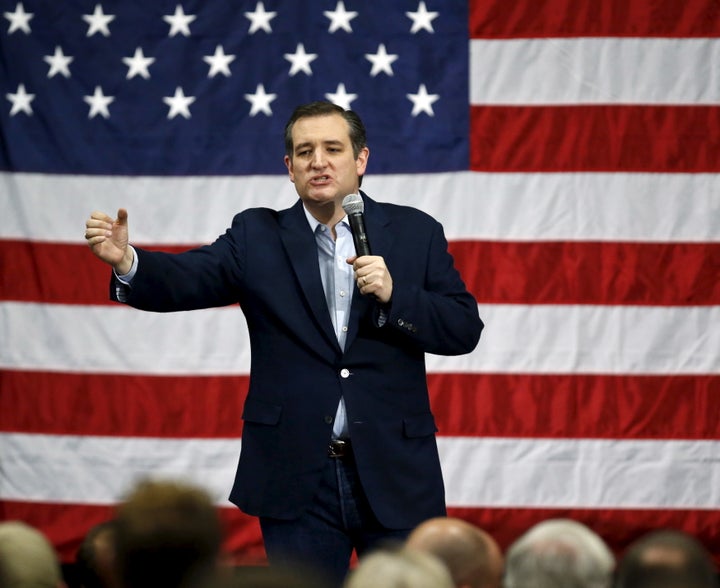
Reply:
x=122, y=217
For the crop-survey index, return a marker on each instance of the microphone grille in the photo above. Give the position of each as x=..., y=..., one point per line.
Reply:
x=353, y=204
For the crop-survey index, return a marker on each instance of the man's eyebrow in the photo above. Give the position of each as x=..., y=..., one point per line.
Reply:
x=329, y=142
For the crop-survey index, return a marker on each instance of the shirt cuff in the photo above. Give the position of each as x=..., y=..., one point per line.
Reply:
x=127, y=278
x=123, y=282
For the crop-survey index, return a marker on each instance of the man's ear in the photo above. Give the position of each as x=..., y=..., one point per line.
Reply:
x=289, y=166
x=361, y=160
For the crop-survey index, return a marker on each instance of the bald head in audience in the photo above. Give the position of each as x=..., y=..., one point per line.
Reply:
x=27, y=559
x=470, y=554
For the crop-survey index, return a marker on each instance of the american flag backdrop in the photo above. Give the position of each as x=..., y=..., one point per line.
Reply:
x=571, y=150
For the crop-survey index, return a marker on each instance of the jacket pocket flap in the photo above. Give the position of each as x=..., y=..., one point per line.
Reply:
x=420, y=425
x=261, y=412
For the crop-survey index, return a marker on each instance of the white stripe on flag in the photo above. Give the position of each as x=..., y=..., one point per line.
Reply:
x=550, y=206
x=593, y=473
x=517, y=339
x=479, y=472
x=594, y=71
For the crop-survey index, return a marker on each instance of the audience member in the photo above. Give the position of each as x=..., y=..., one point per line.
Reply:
x=167, y=535
x=470, y=554
x=27, y=559
x=666, y=559
x=559, y=553
x=401, y=568
x=95, y=558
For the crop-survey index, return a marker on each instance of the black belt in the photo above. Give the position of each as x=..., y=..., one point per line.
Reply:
x=340, y=448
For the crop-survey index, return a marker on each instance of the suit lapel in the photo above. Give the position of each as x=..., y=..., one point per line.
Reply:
x=301, y=249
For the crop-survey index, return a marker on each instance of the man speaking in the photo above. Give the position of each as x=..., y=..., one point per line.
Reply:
x=338, y=448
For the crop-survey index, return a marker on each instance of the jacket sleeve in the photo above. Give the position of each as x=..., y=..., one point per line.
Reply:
x=204, y=277
x=437, y=313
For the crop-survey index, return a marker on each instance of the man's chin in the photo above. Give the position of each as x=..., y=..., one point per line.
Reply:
x=320, y=198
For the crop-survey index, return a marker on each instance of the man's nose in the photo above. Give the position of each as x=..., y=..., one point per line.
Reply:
x=318, y=159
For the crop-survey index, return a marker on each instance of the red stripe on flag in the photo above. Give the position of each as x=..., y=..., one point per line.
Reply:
x=674, y=274
x=493, y=405
x=600, y=138
x=57, y=273
x=570, y=272
x=122, y=405
x=576, y=405
x=66, y=525
x=499, y=19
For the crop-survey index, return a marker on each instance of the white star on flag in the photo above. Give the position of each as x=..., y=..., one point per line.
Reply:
x=20, y=101
x=260, y=101
x=341, y=97
x=98, y=22
x=179, y=22
x=260, y=19
x=59, y=63
x=422, y=19
x=179, y=103
x=219, y=62
x=138, y=64
x=300, y=60
x=381, y=61
x=422, y=101
x=98, y=103
x=19, y=20
x=340, y=18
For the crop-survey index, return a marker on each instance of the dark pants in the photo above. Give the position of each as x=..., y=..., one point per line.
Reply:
x=339, y=520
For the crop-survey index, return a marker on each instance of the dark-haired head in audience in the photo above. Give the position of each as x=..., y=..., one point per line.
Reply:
x=472, y=556
x=167, y=535
x=559, y=553
x=95, y=558
x=667, y=559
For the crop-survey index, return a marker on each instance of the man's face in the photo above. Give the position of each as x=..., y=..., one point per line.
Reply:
x=322, y=166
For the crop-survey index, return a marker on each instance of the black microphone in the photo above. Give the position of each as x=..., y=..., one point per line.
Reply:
x=354, y=207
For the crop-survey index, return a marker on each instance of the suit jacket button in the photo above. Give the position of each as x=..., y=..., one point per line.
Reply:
x=328, y=419
x=344, y=373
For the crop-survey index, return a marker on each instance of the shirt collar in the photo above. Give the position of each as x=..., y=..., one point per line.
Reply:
x=314, y=223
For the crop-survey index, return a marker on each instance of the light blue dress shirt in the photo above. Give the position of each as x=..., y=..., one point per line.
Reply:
x=339, y=285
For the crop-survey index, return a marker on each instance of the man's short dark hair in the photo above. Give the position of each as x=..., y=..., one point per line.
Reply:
x=356, y=128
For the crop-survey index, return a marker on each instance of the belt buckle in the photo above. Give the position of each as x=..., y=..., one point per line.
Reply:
x=338, y=448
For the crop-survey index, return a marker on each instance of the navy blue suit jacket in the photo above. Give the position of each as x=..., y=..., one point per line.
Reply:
x=268, y=263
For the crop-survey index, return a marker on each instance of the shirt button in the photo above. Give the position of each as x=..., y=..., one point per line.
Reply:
x=342, y=293
x=344, y=329
x=344, y=373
